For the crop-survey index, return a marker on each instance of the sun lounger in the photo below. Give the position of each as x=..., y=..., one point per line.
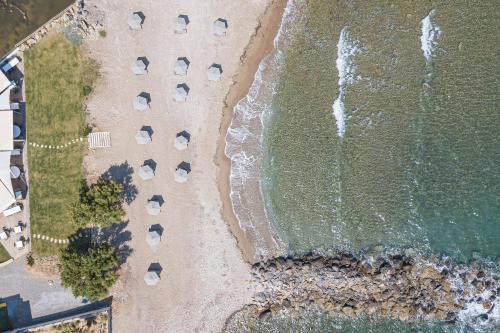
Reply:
x=12, y=211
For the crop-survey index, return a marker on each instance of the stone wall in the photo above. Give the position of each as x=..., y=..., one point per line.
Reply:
x=394, y=285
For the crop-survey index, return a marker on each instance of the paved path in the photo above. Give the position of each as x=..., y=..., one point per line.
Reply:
x=29, y=297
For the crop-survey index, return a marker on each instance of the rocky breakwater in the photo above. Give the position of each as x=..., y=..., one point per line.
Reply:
x=78, y=20
x=394, y=285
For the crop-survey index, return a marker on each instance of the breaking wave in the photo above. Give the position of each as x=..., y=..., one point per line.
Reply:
x=430, y=34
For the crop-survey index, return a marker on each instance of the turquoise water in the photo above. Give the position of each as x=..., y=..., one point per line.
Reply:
x=375, y=123
x=418, y=162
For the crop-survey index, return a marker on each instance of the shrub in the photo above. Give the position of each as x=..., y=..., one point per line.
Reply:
x=89, y=272
x=30, y=260
x=103, y=33
x=99, y=205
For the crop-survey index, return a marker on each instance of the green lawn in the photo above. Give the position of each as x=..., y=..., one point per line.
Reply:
x=4, y=255
x=57, y=77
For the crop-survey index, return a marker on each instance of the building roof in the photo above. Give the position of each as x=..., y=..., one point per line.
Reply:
x=5, y=99
x=7, y=196
x=6, y=130
x=4, y=82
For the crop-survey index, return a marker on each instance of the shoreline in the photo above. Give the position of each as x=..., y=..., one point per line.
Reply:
x=260, y=45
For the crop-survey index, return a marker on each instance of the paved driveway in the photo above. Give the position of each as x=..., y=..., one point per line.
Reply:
x=29, y=297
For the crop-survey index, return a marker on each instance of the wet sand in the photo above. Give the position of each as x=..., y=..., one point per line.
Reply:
x=259, y=47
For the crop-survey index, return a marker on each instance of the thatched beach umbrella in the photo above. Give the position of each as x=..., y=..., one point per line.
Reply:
x=146, y=172
x=135, y=21
x=142, y=138
x=181, y=140
x=181, y=66
x=181, y=24
x=141, y=103
x=139, y=67
x=220, y=27
x=153, y=238
x=181, y=173
x=153, y=207
x=152, y=278
x=181, y=92
x=214, y=72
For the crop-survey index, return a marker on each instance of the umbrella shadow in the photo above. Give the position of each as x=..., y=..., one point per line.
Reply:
x=122, y=173
x=155, y=267
x=158, y=198
x=151, y=163
x=184, y=166
x=158, y=228
x=146, y=95
x=184, y=134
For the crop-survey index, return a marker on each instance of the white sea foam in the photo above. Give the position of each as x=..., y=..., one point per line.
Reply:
x=346, y=49
x=430, y=34
x=245, y=136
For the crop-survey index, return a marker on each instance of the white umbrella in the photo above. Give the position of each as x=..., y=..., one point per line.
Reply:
x=220, y=27
x=153, y=238
x=181, y=92
x=181, y=66
x=152, y=278
x=181, y=142
x=181, y=24
x=135, y=21
x=17, y=131
x=139, y=67
x=140, y=103
x=146, y=172
x=15, y=172
x=214, y=72
x=181, y=175
x=153, y=207
x=142, y=138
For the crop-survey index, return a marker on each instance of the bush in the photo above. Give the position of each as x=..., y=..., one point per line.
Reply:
x=99, y=205
x=30, y=260
x=89, y=272
x=87, y=90
x=103, y=33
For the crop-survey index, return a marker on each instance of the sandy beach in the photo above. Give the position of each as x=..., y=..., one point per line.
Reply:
x=204, y=275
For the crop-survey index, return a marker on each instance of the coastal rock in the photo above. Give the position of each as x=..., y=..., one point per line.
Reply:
x=396, y=286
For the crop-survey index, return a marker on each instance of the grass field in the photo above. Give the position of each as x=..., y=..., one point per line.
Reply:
x=4, y=255
x=57, y=78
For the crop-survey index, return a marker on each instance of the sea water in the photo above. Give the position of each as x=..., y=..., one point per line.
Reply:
x=377, y=123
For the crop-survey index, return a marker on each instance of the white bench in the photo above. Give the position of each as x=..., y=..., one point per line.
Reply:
x=12, y=211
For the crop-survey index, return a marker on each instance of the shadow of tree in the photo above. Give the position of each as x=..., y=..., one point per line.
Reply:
x=116, y=236
x=122, y=173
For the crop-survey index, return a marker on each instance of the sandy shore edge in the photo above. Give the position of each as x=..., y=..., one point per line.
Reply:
x=260, y=45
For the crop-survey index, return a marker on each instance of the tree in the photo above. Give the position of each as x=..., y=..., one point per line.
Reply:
x=91, y=272
x=100, y=204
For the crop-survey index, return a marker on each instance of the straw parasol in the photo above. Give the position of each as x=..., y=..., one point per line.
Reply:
x=181, y=92
x=152, y=278
x=135, y=21
x=146, y=172
x=214, y=72
x=153, y=238
x=220, y=27
x=181, y=24
x=181, y=141
x=153, y=207
x=142, y=138
x=139, y=67
x=181, y=66
x=141, y=103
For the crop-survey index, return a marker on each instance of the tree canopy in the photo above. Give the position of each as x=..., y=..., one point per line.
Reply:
x=91, y=272
x=100, y=204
